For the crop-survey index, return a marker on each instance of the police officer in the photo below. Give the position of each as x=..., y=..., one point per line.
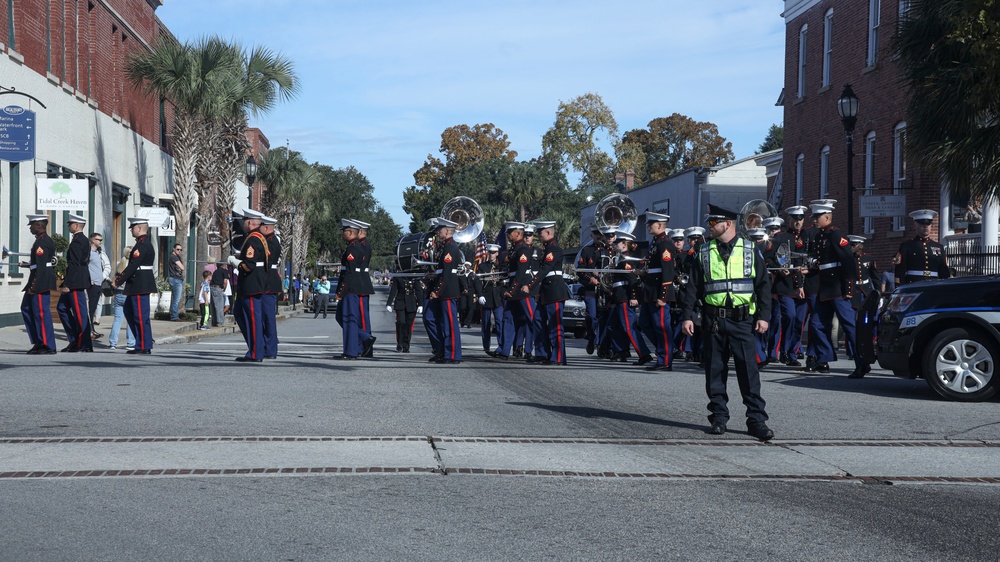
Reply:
x=490, y=299
x=351, y=289
x=273, y=288
x=552, y=292
x=837, y=275
x=789, y=288
x=729, y=277
x=139, y=282
x=251, y=284
x=72, y=304
x=590, y=284
x=658, y=293
x=42, y=279
x=922, y=258
x=406, y=295
x=444, y=294
x=521, y=303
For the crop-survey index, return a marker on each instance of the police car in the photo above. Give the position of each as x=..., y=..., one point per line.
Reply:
x=947, y=332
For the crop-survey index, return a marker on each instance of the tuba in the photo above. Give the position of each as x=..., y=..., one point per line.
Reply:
x=616, y=210
x=467, y=214
x=753, y=214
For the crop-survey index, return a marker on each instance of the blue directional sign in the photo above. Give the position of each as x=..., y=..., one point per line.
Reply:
x=17, y=134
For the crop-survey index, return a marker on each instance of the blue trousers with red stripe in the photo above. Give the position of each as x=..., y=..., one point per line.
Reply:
x=506, y=339
x=365, y=332
x=793, y=317
x=624, y=330
x=549, y=316
x=431, y=326
x=663, y=334
x=38, y=319
x=816, y=328
x=269, y=323
x=491, y=319
x=137, y=315
x=350, y=312
x=524, y=319
x=249, y=317
x=75, y=317
x=446, y=312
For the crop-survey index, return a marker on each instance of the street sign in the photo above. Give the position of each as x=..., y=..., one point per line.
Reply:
x=17, y=134
x=214, y=239
x=158, y=216
x=882, y=206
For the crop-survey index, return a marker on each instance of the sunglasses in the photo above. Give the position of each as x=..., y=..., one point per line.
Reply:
x=713, y=222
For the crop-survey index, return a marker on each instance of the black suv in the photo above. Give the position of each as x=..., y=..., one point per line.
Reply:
x=945, y=331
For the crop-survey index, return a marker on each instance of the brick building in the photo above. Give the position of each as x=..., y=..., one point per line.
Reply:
x=69, y=56
x=828, y=44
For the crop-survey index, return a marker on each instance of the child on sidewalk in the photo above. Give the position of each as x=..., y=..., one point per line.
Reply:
x=205, y=299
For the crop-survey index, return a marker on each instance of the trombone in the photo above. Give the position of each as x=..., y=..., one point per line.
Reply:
x=7, y=253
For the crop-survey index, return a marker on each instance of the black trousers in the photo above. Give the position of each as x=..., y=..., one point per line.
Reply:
x=724, y=338
x=93, y=300
x=404, y=328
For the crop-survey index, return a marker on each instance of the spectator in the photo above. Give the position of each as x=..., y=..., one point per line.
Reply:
x=175, y=276
x=100, y=270
x=218, y=284
x=119, y=309
x=205, y=299
x=888, y=282
x=322, y=296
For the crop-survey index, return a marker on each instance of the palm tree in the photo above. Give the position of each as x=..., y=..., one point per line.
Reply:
x=522, y=189
x=290, y=181
x=189, y=77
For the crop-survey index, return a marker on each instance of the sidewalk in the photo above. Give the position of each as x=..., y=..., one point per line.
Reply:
x=15, y=338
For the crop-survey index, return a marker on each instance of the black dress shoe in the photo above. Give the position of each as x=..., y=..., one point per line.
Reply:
x=245, y=359
x=270, y=357
x=345, y=357
x=762, y=366
x=590, y=348
x=794, y=363
x=46, y=351
x=820, y=368
x=86, y=349
x=71, y=348
x=368, y=344
x=644, y=360
x=718, y=428
x=528, y=357
x=659, y=368
x=406, y=350
x=35, y=349
x=543, y=361
x=139, y=352
x=443, y=361
x=760, y=431
x=500, y=356
x=860, y=372
x=399, y=349
x=434, y=358
x=518, y=351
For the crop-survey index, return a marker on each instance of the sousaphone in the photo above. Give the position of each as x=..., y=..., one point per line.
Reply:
x=753, y=214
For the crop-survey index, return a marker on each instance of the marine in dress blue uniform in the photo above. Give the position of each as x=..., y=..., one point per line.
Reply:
x=42, y=279
x=922, y=258
x=658, y=293
x=488, y=283
x=525, y=343
x=864, y=284
x=139, y=282
x=590, y=284
x=605, y=304
x=351, y=287
x=365, y=332
x=623, y=326
x=251, y=286
x=552, y=293
x=445, y=293
x=273, y=288
x=406, y=295
x=72, y=305
x=789, y=288
x=518, y=306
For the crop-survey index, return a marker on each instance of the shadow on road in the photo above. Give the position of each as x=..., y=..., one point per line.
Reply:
x=585, y=412
x=883, y=386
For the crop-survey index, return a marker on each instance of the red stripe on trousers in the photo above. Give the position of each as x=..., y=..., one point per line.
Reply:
x=79, y=319
x=666, y=340
x=142, y=325
x=628, y=327
x=451, y=324
x=41, y=321
x=361, y=302
x=531, y=311
x=559, y=335
x=253, y=330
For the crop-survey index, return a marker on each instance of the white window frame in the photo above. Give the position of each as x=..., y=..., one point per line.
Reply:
x=824, y=173
x=899, y=168
x=903, y=14
x=869, y=176
x=827, y=46
x=803, y=39
x=874, y=19
x=800, y=172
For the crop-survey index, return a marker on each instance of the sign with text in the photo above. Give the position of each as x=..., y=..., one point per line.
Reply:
x=17, y=134
x=158, y=216
x=882, y=206
x=168, y=228
x=57, y=194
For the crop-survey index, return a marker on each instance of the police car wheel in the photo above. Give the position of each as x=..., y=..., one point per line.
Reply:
x=960, y=364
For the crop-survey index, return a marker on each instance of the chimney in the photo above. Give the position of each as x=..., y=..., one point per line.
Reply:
x=629, y=180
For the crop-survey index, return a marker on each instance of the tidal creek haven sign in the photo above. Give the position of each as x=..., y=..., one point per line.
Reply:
x=55, y=194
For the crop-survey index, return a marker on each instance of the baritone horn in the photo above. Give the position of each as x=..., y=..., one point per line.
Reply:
x=753, y=214
x=467, y=214
x=616, y=210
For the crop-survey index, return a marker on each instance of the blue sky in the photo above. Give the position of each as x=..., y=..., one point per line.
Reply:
x=381, y=79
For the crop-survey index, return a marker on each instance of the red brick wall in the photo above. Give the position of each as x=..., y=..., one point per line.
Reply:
x=812, y=122
x=94, y=38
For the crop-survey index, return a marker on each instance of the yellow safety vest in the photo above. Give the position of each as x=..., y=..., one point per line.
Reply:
x=733, y=279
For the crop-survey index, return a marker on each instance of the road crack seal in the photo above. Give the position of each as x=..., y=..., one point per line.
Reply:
x=819, y=460
x=437, y=457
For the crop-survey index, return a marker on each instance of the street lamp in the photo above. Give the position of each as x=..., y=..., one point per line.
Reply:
x=847, y=107
x=291, y=251
x=251, y=170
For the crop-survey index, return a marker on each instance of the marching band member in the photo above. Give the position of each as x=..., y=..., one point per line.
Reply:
x=681, y=342
x=623, y=324
x=525, y=343
x=921, y=258
x=789, y=288
x=772, y=226
x=658, y=292
x=865, y=281
x=139, y=283
x=406, y=295
x=490, y=298
x=427, y=311
x=352, y=287
x=759, y=238
x=693, y=344
x=552, y=291
x=521, y=302
x=444, y=293
x=269, y=299
x=811, y=287
x=37, y=291
x=72, y=306
x=605, y=306
x=367, y=290
x=590, y=284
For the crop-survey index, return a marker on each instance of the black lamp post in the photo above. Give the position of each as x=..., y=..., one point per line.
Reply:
x=291, y=251
x=251, y=170
x=847, y=107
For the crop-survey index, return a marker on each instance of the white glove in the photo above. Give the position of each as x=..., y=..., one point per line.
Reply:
x=388, y=308
x=420, y=310
x=482, y=300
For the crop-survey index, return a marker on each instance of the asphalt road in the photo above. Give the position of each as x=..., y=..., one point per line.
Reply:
x=592, y=461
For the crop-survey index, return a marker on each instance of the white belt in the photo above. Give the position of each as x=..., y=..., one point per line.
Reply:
x=921, y=273
x=275, y=266
x=146, y=268
x=830, y=265
x=551, y=273
x=440, y=271
x=619, y=283
x=655, y=270
x=47, y=264
x=259, y=264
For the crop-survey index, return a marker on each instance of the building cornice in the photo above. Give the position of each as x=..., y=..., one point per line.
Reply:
x=795, y=8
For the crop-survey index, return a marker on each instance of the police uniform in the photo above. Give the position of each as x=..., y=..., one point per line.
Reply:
x=72, y=306
x=658, y=286
x=353, y=286
x=269, y=299
x=42, y=279
x=251, y=285
x=921, y=259
x=730, y=279
x=139, y=282
x=490, y=300
x=406, y=294
x=552, y=291
x=444, y=297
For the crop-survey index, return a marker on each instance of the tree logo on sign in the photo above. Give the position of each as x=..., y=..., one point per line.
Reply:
x=61, y=189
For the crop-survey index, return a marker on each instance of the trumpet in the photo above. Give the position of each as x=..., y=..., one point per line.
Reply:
x=7, y=253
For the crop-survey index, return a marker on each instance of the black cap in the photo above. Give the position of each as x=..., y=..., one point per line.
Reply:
x=716, y=212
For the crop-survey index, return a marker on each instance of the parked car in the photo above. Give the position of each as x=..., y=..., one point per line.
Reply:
x=575, y=313
x=945, y=331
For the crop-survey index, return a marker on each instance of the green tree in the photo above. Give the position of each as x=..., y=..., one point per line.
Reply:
x=775, y=139
x=572, y=141
x=192, y=78
x=291, y=184
x=950, y=62
x=675, y=143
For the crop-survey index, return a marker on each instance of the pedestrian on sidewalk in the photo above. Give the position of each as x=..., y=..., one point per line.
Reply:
x=119, y=308
x=100, y=271
x=322, y=296
x=205, y=299
x=175, y=276
x=218, y=284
